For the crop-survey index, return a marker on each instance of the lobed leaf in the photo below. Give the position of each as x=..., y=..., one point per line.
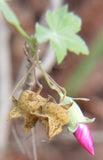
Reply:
x=62, y=33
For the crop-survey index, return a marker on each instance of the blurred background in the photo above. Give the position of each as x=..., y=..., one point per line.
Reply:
x=82, y=76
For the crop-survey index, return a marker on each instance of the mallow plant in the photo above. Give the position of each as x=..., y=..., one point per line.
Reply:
x=62, y=33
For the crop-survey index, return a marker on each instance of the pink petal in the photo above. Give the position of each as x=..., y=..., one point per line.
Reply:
x=84, y=137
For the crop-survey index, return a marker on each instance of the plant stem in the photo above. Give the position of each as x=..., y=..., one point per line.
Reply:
x=22, y=32
x=52, y=84
x=18, y=84
x=46, y=76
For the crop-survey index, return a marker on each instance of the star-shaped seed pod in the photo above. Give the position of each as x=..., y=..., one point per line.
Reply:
x=34, y=107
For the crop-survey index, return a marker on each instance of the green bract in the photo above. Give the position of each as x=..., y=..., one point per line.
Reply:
x=62, y=33
x=76, y=115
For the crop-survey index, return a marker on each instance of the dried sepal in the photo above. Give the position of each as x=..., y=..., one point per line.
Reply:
x=34, y=107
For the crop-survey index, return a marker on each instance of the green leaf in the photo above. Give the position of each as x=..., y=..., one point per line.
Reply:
x=11, y=17
x=8, y=13
x=62, y=33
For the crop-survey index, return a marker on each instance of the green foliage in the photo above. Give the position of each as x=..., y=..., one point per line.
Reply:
x=62, y=33
x=11, y=17
x=8, y=13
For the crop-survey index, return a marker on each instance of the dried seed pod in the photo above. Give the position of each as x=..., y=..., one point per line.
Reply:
x=33, y=107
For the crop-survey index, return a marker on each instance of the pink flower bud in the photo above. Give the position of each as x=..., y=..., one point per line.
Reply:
x=84, y=137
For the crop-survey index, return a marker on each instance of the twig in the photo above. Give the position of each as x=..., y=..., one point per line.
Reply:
x=34, y=144
x=19, y=83
x=21, y=147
